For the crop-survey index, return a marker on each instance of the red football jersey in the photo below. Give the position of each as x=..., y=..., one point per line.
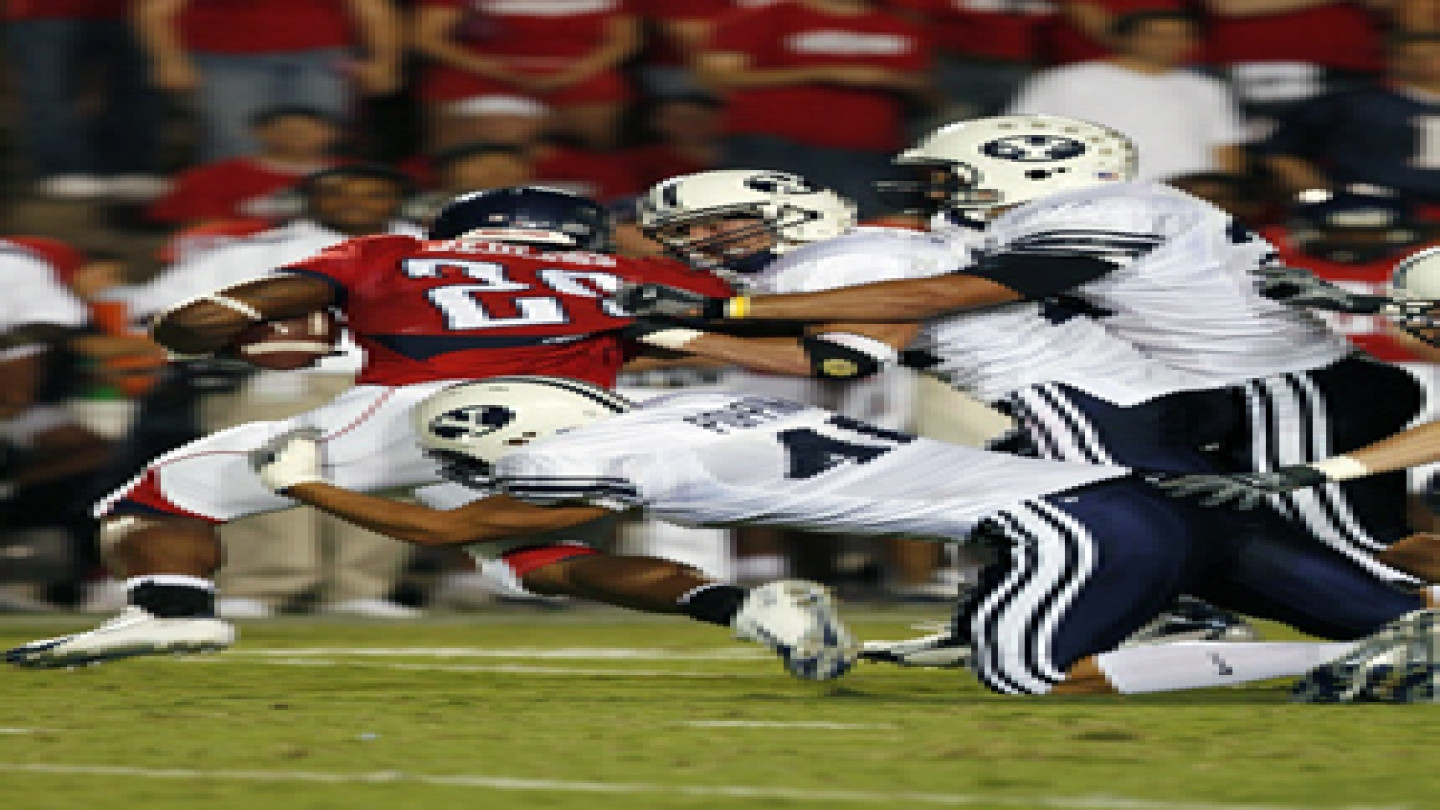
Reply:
x=440, y=310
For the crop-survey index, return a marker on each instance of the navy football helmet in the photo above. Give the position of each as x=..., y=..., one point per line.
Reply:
x=530, y=214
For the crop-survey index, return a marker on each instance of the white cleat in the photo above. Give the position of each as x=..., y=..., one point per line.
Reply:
x=1399, y=663
x=134, y=632
x=942, y=649
x=797, y=619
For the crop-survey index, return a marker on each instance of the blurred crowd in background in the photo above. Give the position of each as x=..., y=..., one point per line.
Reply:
x=157, y=149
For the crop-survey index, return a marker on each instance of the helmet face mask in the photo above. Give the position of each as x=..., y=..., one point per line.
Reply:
x=757, y=216
x=532, y=215
x=1417, y=278
x=469, y=426
x=1011, y=159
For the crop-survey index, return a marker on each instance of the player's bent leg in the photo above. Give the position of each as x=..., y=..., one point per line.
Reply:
x=796, y=619
x=167, y=560
x=1417, y=555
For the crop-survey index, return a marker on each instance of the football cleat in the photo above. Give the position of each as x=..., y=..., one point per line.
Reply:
x=134, y=632
x=1400, y=663
x=1190, y=619
x=797, y=619
x=942, y=649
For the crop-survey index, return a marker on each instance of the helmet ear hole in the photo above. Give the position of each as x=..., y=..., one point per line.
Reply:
x=469, y=426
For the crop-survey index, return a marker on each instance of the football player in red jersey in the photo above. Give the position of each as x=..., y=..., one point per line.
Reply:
x=510, y=281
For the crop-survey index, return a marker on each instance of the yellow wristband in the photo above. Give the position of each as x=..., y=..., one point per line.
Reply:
x=737, y=307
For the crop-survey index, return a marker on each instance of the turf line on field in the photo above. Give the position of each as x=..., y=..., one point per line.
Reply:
x=747, y=793
x=736, y=653
x=518, y=669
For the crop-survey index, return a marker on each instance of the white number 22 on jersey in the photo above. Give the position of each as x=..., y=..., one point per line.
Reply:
x=457, y=302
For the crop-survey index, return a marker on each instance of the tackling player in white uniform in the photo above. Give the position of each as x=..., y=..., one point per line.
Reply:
x=1088, y=553
x=1077, y=392
x=1166, y=272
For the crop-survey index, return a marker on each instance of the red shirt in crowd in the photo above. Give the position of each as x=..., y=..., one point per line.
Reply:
x=1004, y=31
x=530, y=36
x=228, y=189
x=1064, y=43
x=664, y=51
x=1338, y=35
x=265, y=26
x=652, y=163
x=437, y=310
x=787, y=35
x=64, y=9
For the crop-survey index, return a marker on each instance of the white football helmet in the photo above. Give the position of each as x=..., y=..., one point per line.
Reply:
x=469, y=426
x=1010, y=159
x=789, y=210
x=1417, y=278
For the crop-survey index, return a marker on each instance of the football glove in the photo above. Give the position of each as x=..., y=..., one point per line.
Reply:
x=665, y=301
x=1297, y=287
x=1239, y=490
x=289, y=459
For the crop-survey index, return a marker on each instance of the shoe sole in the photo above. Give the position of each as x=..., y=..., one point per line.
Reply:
x=25, y=658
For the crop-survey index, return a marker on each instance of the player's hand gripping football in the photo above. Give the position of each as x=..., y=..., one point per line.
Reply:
x=665, y=301
x=289, y=459
x=1239, y=490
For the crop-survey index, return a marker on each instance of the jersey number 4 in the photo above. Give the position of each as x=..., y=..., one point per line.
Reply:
x=811, y=452
x=462, y=310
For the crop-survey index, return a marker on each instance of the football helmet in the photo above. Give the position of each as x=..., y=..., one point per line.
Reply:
x=1010, y=159
x=529, y=214
x=469, y=426
x=1417, y=278
x=789, y=211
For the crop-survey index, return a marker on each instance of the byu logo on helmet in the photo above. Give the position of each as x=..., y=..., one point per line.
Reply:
x=471, y=422
x=1033, y=148
x=777, y=183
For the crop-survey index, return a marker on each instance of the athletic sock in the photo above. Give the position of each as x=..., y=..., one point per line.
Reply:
x=1198, y=664
x=715, y=603
x=170, y=596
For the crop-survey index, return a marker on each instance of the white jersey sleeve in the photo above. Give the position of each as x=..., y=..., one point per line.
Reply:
x=549, y=478
x=1181, y=290
x=987, y=353
x=722, y=459
x=33, y=293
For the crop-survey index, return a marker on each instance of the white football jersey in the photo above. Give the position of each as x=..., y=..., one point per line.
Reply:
x=989, y=352
x=1182, y=291
x=720, y=459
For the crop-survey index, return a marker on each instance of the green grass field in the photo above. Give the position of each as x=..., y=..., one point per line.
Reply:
x=600, y=709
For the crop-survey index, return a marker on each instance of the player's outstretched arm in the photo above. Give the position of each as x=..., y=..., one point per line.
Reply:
x=1409, y=448
x=293, y=465
x=1298, y=287
x=883, y=301
x=207, y=323
x=830, y=351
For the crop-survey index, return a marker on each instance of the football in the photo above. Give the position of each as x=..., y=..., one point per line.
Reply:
x=287, y=343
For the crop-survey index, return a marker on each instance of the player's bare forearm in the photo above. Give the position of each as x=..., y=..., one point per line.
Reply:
x=772, y=355
x=205, y=325
x=491, y=518
x=1410, y=448
x=884, y=301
